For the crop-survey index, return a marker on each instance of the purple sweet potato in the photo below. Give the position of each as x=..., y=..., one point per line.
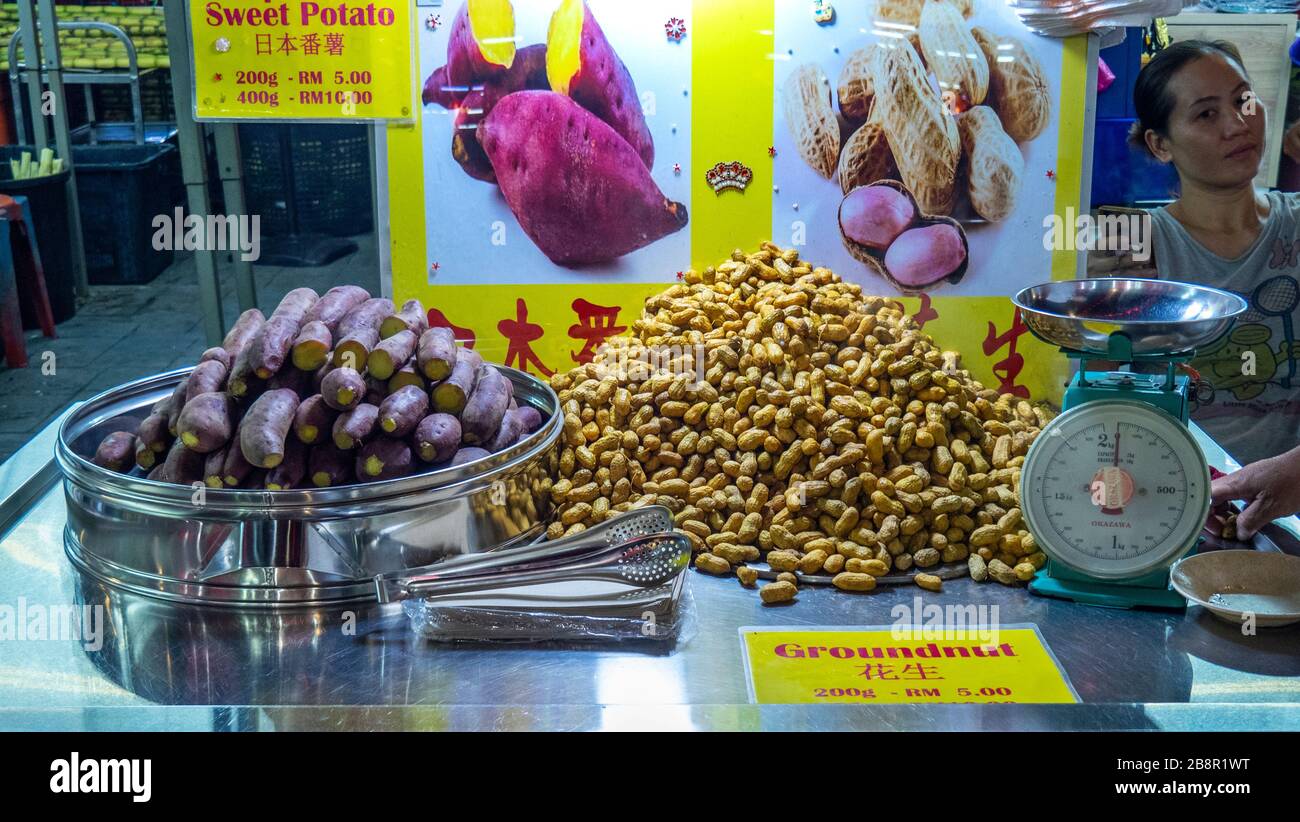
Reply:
x=406, y=375
x=531, y=417
x=271, y=348
x=159, y=473
x=214, y=464
x=313, y=419
x=183, y=465
x=205, y=424
x=485, y=407
x=244, y=329
x=343, y=388
x=218, y=354
x=163, y=406
x=356, y=426
x=175, y=405
x=513, y=428
x=439, y=90
x=318, y=376
x=235, y=469
x=291, y=470
x=241, y=380
x=465, y=147
x=384, y=458
x=450, y=395
x=207, y=376
x=312, y=345
x=328, y=465
x=153, y=433
x=353, y=351
x=469, y=454
x=391, y=354
x=436, y=353
x=581, y=64
x=400, y=412
x=296, y=305
x=437, y=437
x=528, y=71
x=335, y=304
x=266, y=427
x=411, y=318
x=481, y=43
x=368, y=314
x=145, y=457
x=295, y=379
x=578, y=189
x=376, y=389
x=116, y=452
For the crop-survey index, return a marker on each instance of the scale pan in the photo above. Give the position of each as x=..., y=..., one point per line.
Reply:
x=1157, y=316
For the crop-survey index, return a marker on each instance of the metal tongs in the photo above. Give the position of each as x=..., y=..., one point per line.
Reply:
x=633, y=551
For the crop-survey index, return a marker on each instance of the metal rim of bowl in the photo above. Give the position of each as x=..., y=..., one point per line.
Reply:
x=1020, y=301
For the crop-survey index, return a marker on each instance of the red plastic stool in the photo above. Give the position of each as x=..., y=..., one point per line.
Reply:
x=22, y=280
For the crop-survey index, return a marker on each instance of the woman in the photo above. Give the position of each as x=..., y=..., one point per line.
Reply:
x=1196, y=111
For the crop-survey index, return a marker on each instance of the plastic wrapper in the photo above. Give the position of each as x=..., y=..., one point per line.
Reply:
x=663, y=616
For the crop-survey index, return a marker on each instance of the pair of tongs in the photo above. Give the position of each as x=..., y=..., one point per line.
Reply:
x=637, y=549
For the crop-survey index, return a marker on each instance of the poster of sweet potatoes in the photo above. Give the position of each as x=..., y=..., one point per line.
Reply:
x=556, y=142
x=916, y=144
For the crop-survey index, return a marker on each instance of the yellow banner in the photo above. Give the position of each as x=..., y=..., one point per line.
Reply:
x=872, y=665
x=473, y=275
x=303, y=60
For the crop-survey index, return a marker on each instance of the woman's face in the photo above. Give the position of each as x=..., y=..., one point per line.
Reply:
x=1216, y=128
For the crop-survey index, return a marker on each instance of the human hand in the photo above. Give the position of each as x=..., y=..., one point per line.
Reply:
x=1270, y=486
x=1291, y=141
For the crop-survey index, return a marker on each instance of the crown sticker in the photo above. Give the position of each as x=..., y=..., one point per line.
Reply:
x=728, y=175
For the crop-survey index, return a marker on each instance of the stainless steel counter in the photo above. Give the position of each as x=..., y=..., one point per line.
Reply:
x=164, y=666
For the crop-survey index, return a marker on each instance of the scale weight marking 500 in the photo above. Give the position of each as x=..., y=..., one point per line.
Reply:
x=1115, y=489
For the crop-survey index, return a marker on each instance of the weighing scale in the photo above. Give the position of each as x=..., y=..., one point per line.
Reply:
x=1115, y=489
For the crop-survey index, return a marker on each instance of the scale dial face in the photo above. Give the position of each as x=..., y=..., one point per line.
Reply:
x=1115, y=489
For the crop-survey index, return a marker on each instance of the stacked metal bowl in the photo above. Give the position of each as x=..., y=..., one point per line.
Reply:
x=1062, y=18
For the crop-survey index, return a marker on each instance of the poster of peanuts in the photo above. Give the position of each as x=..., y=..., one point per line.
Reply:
x=582, y=177
x=915, y=144
x=572, y=159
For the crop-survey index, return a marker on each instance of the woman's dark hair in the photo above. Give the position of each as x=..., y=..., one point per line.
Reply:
x=1151, y=98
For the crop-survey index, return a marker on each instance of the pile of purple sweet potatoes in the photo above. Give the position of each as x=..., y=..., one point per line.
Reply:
x=558, y=127
x=329, y=390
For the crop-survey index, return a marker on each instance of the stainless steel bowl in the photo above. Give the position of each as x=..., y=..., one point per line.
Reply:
x=1157, y=316
x=277, y=548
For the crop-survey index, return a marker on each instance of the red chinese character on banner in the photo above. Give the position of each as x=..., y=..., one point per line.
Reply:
x=464, y=336
x=311, y=44
x=878, y=671
x=263, y=42
x=925, y=313
x=287, y=44
x=595, y=325
x=1007, y=369
x=334, y=44
x=521, y=335
x=920, y=670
